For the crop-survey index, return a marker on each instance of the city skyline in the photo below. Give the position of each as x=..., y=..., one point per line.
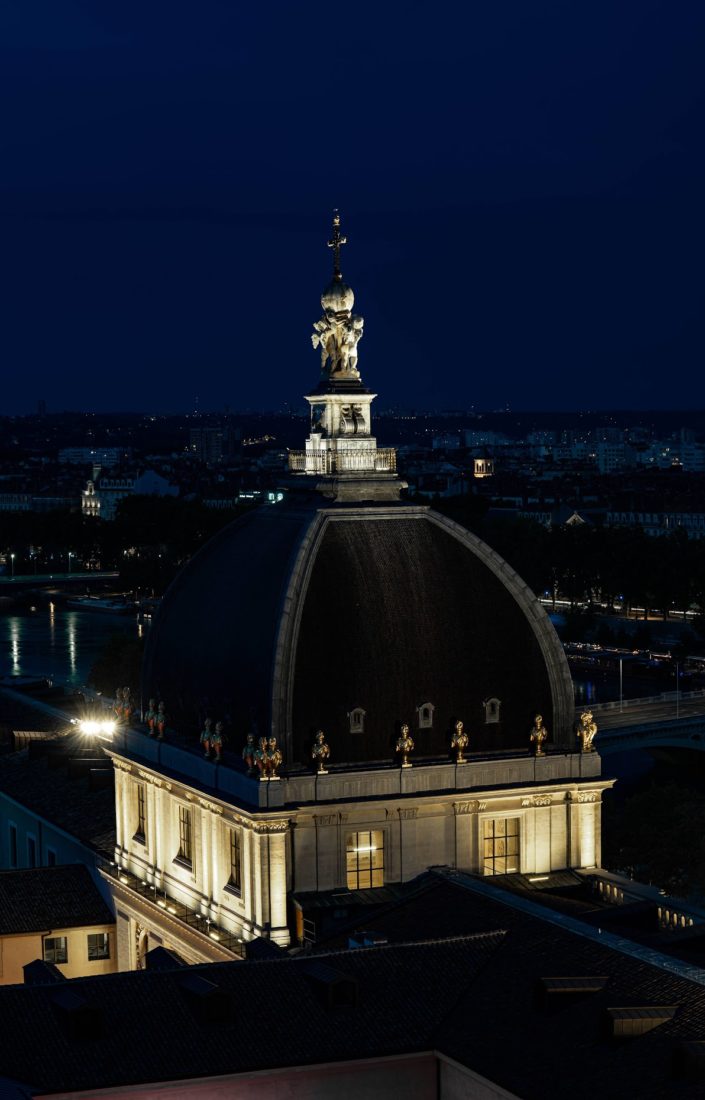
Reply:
x=521, y=193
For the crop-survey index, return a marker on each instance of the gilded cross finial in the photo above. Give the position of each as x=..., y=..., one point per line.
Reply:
x=336, y=243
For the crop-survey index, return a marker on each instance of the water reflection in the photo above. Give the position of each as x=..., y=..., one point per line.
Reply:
x=15, y=647
x=59, y=643
x=71, y=635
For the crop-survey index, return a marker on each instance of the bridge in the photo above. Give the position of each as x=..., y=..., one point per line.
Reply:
x=671, y=720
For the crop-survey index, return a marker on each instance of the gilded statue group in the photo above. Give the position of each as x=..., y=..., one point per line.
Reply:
x=125, y=710
x=264, y=759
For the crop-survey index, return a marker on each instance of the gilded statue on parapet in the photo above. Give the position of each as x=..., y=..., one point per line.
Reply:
x=586, y=731
x=205, y=738
x=261, y=758
x=150, y=717
x=127, y=705
x=459, y=742
x=538, y=736
x=274, y=758
x=161, y=721
x=249, y=754
x=320, y=752
x=405, y=745
x=217, y=738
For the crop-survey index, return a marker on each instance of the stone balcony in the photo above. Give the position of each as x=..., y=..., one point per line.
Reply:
x=328, y=462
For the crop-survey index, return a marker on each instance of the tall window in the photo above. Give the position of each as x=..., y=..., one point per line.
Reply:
x=55, y=949
x=365, y=860
x=98, y=945
x=13, y=845
x=501, y=846
x=235, y=880
x=141, y=813
x=185, y=841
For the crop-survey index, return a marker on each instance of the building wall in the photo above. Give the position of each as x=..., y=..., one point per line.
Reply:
x=17, y=951
x=48, y=839
x=304, y=848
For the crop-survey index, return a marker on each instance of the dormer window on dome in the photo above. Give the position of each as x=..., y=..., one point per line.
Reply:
x=425, y=715
x=492, y=708
x=357, y=720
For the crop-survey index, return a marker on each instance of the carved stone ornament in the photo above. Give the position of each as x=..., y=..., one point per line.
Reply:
x=542, y=800
x=407, y=815
x=212, y=806
x=271, y=826
x=326, y=819
x=121, y=765
x=586, y=796
x=470, y=807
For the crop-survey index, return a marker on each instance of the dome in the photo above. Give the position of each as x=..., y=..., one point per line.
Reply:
x=338, y=297
x=303, y=617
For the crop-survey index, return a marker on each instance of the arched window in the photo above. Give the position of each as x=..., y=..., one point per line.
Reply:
x=492, y=709
x=425, y=715
x=357, y=720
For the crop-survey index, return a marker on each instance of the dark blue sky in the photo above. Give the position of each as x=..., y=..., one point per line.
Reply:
x=522, y=185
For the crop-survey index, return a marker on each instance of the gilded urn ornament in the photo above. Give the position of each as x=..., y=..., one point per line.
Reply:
x=538, y=736
x=320, y=752
x=459, y=742
x=586, y=731
x=405, y=745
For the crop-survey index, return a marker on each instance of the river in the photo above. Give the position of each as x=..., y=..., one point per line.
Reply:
x=58, y=642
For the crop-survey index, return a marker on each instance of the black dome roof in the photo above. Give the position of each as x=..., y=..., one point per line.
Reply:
x=296, y=614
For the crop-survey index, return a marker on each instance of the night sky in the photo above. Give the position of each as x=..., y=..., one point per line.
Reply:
x=522, y=185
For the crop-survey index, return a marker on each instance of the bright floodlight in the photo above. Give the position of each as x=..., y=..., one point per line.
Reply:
x=108, y=727
x=88, y=726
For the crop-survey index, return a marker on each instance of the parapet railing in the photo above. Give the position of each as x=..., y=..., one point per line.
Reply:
x=175, y=908
x=380, y=460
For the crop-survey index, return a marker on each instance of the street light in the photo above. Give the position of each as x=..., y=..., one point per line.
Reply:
x=12, y=563
x=70, y=556
x=620, y=682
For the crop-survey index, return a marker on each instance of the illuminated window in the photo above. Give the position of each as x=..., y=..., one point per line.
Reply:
x=501, y=846
x=98, y=946
x=235, y=880
x=141, y=813
x=55, y=950
x=357, y=720
x=185, y=841
x=492, y=708
x=365, y=860
x=425, y=713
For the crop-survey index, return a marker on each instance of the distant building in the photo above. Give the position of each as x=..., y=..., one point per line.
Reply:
x=55, y=915
x=101, y=497
x=86, y=456
x=213, y=445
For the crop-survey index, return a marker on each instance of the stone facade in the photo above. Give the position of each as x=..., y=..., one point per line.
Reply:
x=296, y=834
